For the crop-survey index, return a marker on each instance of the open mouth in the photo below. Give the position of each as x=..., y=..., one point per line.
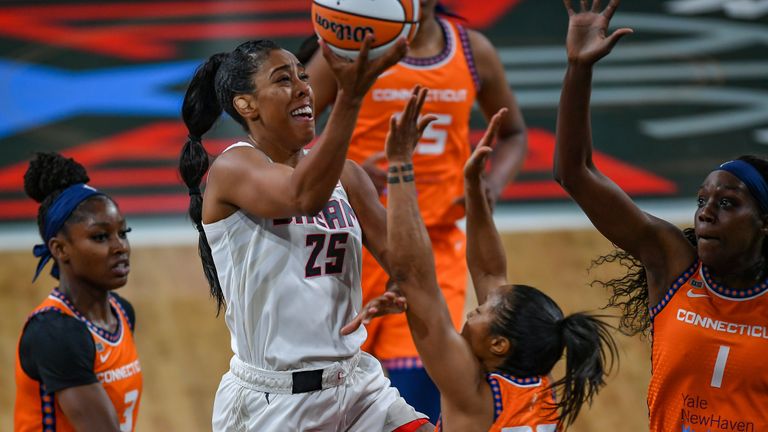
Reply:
x=121, y=268
x=303, y=113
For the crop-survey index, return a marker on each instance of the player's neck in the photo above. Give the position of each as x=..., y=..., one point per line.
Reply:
x=429, y=40
x=275, y=153
x=92, y=303
x=742, y=278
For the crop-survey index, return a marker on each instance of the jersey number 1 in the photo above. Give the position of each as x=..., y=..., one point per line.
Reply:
x=334, y=254
x=717, y=374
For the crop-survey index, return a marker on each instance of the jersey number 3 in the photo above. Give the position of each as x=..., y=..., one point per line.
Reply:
x=333, y=256
x=130, y=401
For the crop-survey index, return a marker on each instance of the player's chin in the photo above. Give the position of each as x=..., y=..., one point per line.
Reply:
x=307, y=135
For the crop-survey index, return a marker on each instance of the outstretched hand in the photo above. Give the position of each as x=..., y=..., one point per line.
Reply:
x=474, y=168
x=387, y=303
x=355, y=77
x=588, y=40
x=475, y=165
x=405, y=129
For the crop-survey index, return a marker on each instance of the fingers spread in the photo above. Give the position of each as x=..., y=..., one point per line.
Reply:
x=611, y=9
x=425, y=121
x=568, y=7
x=618, y=34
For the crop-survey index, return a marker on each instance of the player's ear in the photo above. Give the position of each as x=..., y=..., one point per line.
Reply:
x=499, y=345
x=245, y=105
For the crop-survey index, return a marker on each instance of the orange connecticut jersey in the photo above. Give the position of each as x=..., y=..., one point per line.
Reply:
x=521, y=404
x=444, y=147
x=115, y=365
x=710, y=345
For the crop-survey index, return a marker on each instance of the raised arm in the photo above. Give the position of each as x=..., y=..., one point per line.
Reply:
x=323, y=82
x=447, y=357
x=660, y=246
x=245, y=179
x=495, y=94
x=486, y=259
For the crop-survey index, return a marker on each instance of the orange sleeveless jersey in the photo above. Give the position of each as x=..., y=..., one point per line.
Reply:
x=521, y=404
x=444, y=147
x=116, y=365
x=709, y=349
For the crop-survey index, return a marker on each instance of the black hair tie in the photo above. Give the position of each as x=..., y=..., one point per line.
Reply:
x=194, y=138
x=195, y=190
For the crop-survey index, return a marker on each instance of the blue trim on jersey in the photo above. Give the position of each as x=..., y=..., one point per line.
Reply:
x=493, y=381
x=467, y=48
x=112, y=337
x=403, y=363
x=114, y=301
x=429, y=61
x=498, y=405
x=758, y=289
x=679, y=282
x=47, y=410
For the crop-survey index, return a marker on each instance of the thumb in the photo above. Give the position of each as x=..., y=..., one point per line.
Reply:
x=376, y=157
x=353, y=325
x=613, y=39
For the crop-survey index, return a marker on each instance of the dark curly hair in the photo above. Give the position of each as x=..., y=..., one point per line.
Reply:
x=46, y=177
x=629, y=292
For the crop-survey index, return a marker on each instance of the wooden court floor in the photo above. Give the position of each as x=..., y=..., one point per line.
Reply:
x=184, y=348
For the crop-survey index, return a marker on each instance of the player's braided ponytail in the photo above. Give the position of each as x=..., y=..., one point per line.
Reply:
x=211, y=91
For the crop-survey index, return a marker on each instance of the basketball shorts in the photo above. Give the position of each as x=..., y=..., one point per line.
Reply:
x=362, y=401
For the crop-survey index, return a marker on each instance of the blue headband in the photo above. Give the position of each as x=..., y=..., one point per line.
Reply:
x=751, y=177
x=58, y=213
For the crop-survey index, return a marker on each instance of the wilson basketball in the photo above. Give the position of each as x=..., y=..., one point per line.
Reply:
x=343, y=24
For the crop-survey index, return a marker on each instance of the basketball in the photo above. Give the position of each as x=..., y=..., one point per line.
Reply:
x=344, y=24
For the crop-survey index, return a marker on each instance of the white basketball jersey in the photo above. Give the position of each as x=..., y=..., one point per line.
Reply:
x=290, y=285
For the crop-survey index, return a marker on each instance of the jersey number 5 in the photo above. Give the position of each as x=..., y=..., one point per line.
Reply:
x=334, y=254
x=433, y=139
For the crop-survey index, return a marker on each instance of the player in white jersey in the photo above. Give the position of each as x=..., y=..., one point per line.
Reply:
x=281, y=244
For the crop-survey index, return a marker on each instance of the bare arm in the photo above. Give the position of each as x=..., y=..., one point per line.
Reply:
x=495, y=94
x=244, y=178
x=372, y=217
x=324, y=86
x=446, y=355
x=660, y=246
x=88, y=408
x=486, y=258
x=323, y=82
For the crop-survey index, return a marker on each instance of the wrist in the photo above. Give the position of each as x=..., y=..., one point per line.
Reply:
x=348, y=100
x=400, y=172
x=576, y=65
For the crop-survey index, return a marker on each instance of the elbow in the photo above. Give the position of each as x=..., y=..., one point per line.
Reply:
x=308, y=203
x=570, y=175
x=310, y=207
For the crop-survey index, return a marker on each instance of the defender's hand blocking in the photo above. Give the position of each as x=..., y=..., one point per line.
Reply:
x=474, y=168
x=387, y=303
x=405, y=129
x=588, y=40
x=354, y=78
x=475, y=165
